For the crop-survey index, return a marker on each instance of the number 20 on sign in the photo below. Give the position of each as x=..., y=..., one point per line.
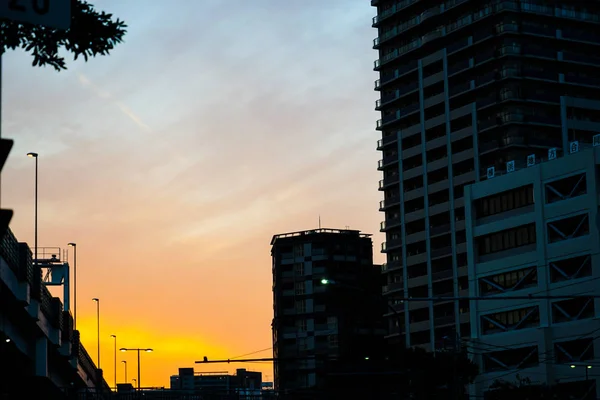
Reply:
x=51, y=13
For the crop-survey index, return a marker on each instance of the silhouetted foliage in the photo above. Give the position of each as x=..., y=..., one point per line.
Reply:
x=524, y=389
x=91, y=33
x=404, y=373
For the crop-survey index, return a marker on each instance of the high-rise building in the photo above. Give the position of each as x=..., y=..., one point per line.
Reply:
x=469, y=89
x=317, y=323
x=534, y=232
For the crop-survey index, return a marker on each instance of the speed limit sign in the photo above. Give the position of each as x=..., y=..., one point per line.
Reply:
x=50, y=13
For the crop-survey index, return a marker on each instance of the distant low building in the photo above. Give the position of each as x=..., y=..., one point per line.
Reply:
x=247, y=384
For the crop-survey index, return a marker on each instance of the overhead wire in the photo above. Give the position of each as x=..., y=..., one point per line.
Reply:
x=252, y=353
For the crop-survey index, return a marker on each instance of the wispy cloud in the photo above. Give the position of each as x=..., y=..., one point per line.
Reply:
x=173, y=161
x=104, y=94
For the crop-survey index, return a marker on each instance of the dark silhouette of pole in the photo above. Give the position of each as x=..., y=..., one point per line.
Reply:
x=97, y=300
x=138, y=360
x=74, y=246
x=115, y=337
x=35, y=240
x=125, y=363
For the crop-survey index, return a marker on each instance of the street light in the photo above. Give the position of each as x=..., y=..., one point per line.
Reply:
x=326, y=282
x=35, y=155
x=125, y=362
x=115, y=337
x=74, y=246
x=97, y=300
x=138, y=360
x=587, y=368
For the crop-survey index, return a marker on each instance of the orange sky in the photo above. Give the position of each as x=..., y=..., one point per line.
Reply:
x=173, y=161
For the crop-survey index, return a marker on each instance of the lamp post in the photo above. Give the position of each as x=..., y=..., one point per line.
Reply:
x=587, y=368
x=35, y=250
x=97, y=300
x=138, y=361
x=125, y=362
x=115, y=337
x=74, y=246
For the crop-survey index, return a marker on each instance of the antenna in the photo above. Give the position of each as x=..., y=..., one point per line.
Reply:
x=319, y=221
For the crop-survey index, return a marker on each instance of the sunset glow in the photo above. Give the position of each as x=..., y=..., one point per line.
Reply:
x=173, y=161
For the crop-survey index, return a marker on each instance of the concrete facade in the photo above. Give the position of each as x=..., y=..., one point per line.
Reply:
x=468, y=85
x=535, y=231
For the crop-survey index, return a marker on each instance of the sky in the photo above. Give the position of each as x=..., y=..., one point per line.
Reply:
x=173, y=161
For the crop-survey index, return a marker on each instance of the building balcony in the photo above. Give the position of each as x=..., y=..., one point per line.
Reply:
x=397, y=116
x=441, y=252
x=508, y=118
x=398, y=73
x=389, y=202
x=396, y=31
x=387, y=161
x=396, y=8
x=516, y=140
x=393, y=244
x=393, y=223
x=392, y=287
x=393, y=265
x=441, y=275
x=433, y=11
x=386, y=182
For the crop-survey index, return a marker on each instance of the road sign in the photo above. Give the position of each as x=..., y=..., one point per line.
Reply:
x=50, y=13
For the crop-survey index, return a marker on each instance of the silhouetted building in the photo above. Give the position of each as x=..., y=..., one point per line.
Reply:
x=41, y=355
x=535, y=232
x=469, y=90
x=315, y=323
x=218, y=385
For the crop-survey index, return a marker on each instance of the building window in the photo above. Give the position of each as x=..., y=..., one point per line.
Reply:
x=507, y=239
x=572, y=310
x=299, y=288
x=298, y=250
x=509, y=281
x=570, y=268
x=566, y=188
x=332, y=323
x=568, y=228
x=299, y=269
x=505, y=201
x=301, y=325
x=506, y=360
x=332, y=340
x=574, y=350
x=510, y=320
x=300, y=306
x=302, y=345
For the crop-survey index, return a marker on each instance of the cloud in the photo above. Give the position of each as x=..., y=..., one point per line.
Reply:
x=173, y=161
x=103, y=94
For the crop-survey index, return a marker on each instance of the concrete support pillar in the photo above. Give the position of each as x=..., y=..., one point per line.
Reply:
x=41, y=357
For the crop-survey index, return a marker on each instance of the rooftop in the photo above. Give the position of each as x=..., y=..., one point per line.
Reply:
x=319, y=231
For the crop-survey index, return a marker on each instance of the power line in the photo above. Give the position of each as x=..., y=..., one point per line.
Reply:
x=498, y=298
x=252, y=353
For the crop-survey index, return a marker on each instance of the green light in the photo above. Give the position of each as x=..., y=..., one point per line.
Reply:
x=325, y=281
